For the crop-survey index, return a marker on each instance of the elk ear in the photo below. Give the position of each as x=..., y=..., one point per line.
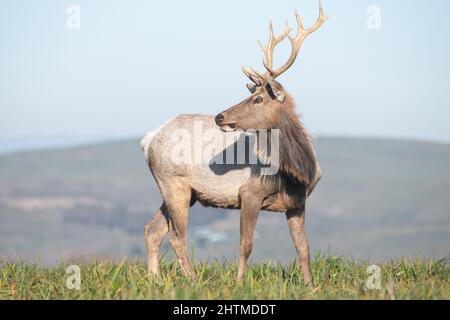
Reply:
x=251, y=87
x=274, y=92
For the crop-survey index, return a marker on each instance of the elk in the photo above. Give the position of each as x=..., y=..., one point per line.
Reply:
x=243, y=187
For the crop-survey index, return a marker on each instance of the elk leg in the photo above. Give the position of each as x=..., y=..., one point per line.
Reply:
x=296, y=222
x=249, y=216
x=155, y=231
x=178, y=208
x=178, y=242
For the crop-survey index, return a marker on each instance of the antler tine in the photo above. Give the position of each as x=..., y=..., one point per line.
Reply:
x=246, y=71
x=320, y=20
x=296, y=43
x=271, y=44
x=254, y=76
x=248, y=74
x=261, y=76
x=298, y=40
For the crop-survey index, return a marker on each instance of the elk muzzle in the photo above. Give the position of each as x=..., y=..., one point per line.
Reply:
x=225, y=127
x=219, y=118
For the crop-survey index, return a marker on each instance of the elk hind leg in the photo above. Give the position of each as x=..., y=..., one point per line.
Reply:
x=178, y=201
x=155, y=231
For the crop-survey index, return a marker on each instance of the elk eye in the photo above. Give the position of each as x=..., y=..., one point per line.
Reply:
x=258, y=100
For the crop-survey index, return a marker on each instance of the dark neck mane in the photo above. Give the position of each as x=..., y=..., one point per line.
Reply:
x=297, y=158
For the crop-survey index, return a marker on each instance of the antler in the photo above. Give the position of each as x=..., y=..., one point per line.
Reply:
x=273, y=41
x=254, y=76
x=296, y=45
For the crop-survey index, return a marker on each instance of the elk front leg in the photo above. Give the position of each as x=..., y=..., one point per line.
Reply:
x=296, y=222
x=155, y=231
x=249, y=216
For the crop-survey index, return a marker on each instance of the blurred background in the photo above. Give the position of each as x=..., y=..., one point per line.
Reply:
x=82, y=81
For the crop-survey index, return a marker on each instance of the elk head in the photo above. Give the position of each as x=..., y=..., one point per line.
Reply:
x=260, y=110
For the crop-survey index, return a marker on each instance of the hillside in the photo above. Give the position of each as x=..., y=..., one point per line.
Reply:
x=378, y=199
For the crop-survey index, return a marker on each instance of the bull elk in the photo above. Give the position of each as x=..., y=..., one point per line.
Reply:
x=243, y=187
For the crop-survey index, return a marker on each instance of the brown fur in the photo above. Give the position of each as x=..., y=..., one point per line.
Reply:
x=271, y=107
x=297, y=160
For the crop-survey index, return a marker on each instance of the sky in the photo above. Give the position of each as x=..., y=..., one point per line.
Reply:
x=376, y=68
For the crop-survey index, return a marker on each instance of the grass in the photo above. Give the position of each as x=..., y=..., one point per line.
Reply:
x=335, y=278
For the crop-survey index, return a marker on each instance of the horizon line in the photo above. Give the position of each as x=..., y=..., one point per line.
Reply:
x=65, y=145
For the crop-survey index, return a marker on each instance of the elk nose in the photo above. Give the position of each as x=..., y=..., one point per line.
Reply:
x=219, y=119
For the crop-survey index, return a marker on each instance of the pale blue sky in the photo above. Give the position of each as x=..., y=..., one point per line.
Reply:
x=135, y=64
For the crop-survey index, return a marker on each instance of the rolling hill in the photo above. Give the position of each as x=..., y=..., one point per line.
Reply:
x=378, y=199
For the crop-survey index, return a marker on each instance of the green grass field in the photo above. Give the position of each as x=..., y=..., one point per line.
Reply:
x=335, y=278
